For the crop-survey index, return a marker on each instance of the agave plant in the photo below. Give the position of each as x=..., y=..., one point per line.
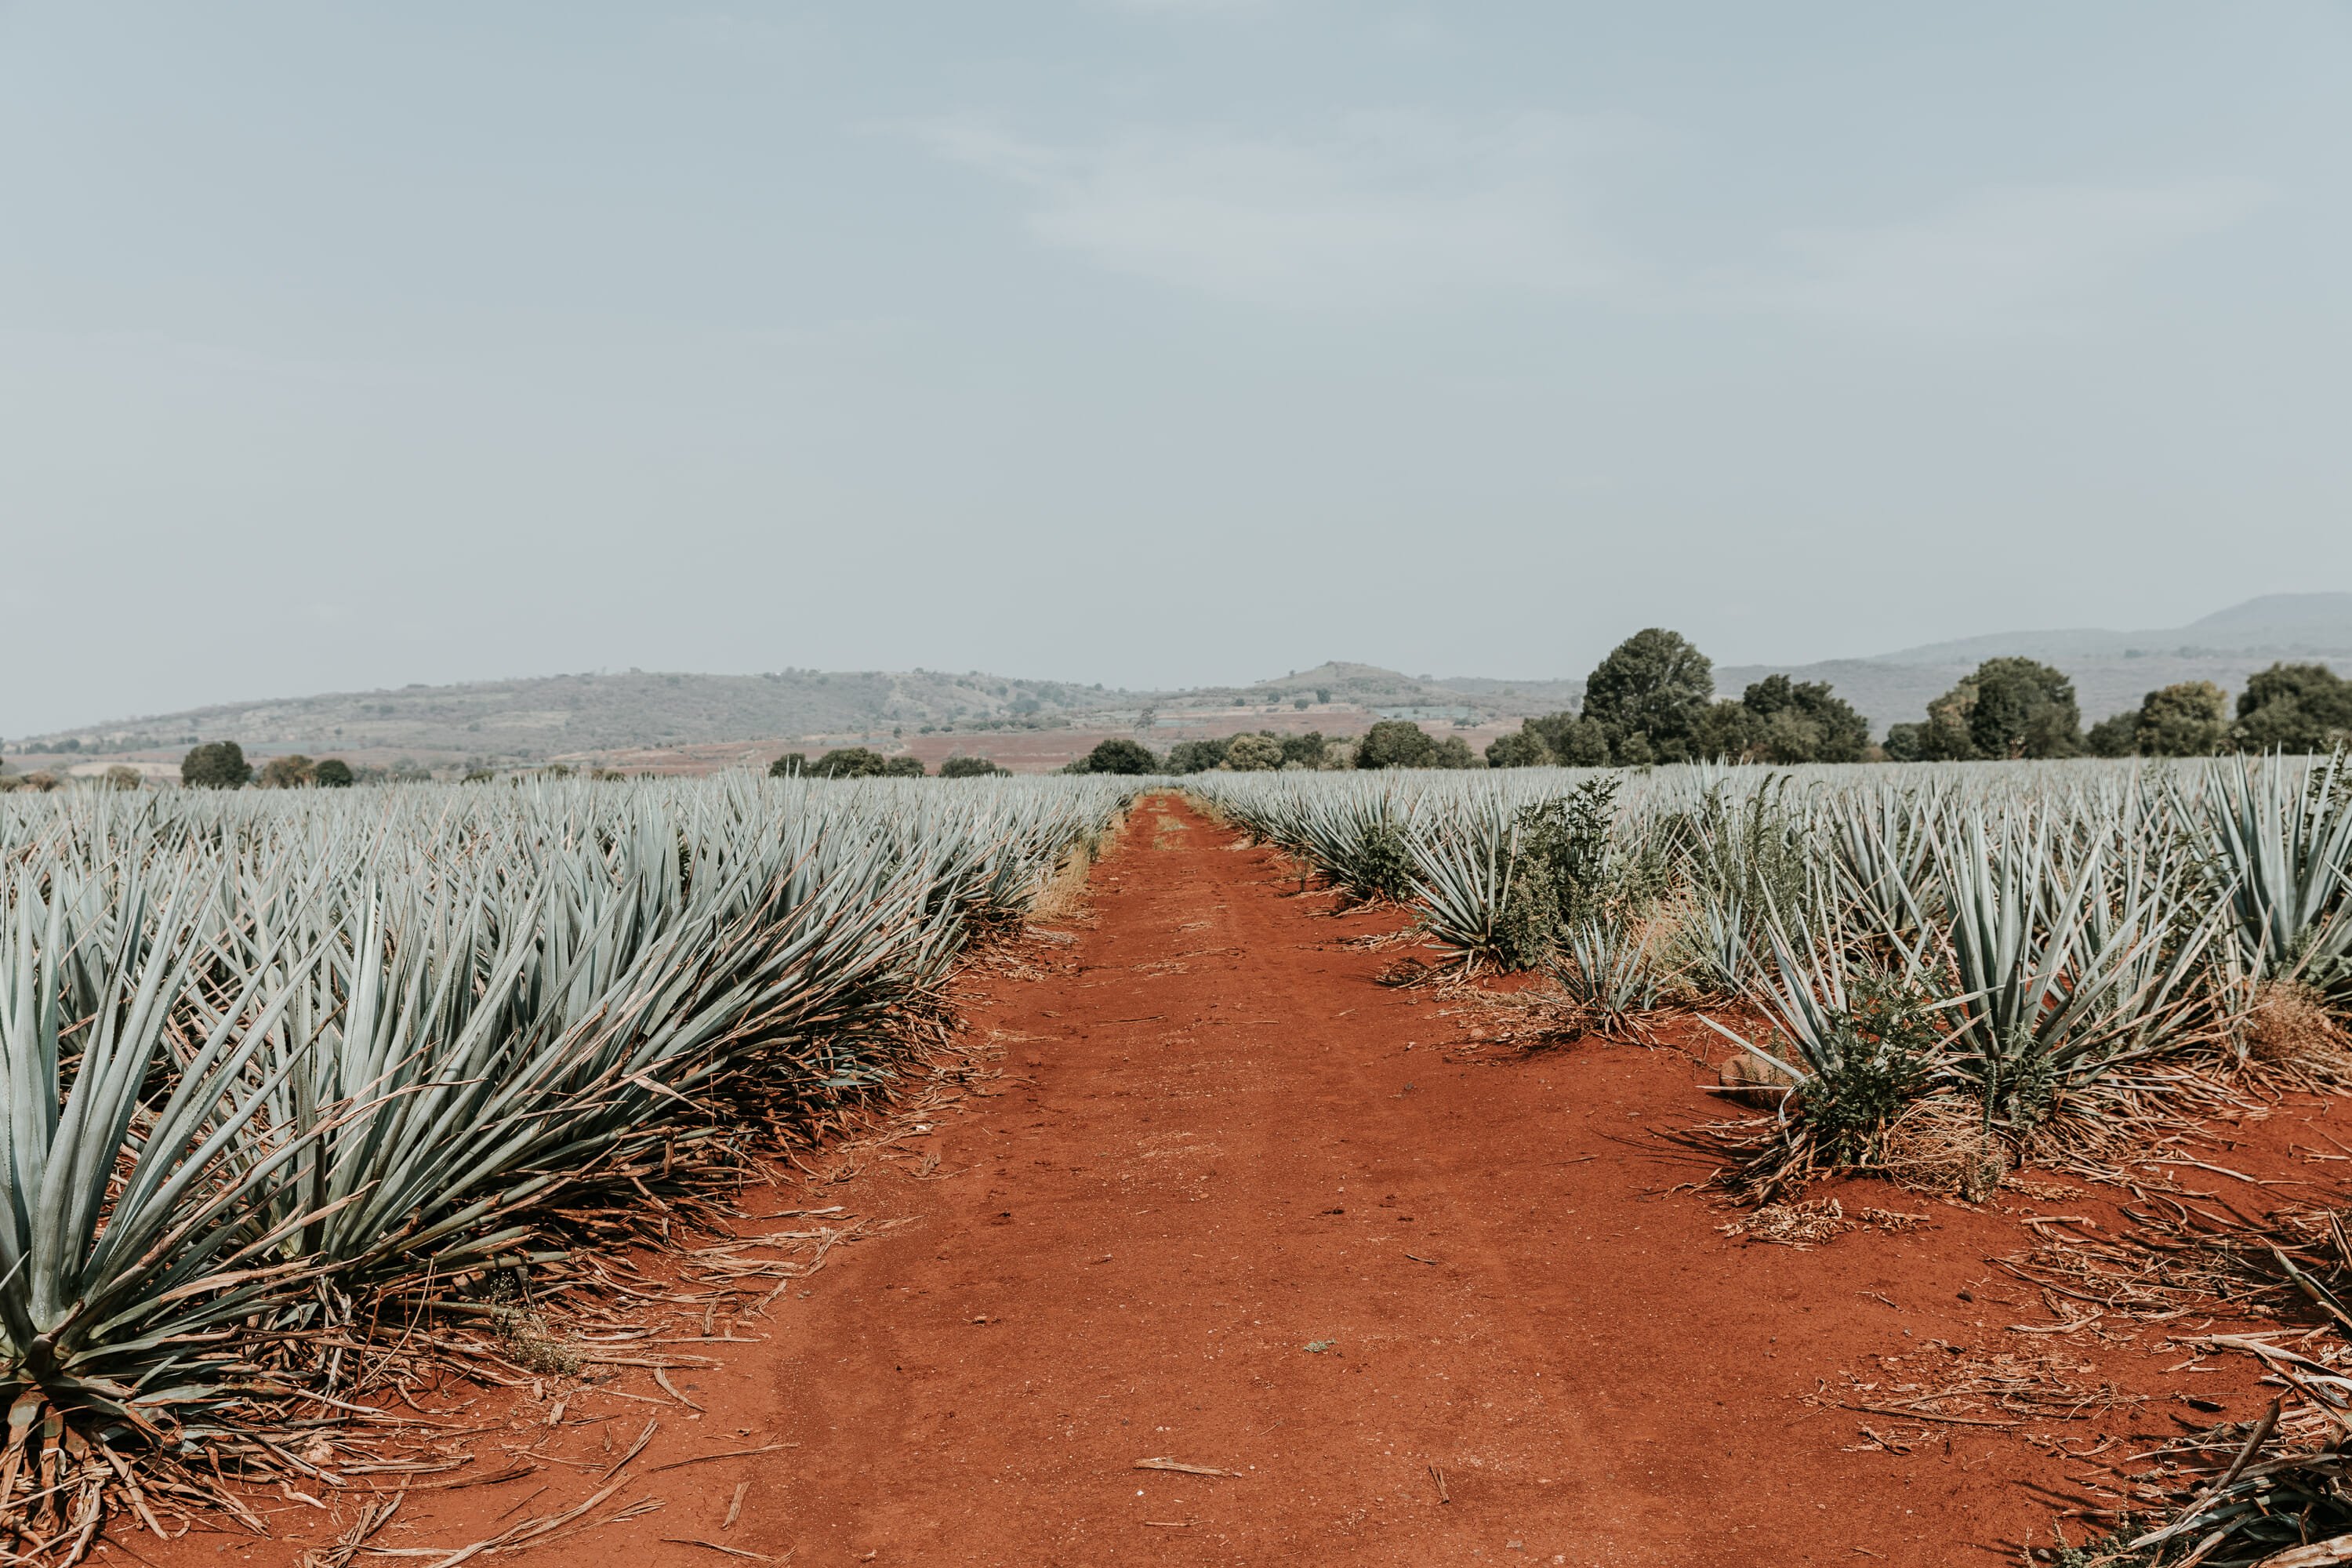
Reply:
x=2281, y=841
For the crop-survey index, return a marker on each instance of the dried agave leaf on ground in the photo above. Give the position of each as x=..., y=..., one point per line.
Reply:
x=1813, y=1222
x=1942, y=1145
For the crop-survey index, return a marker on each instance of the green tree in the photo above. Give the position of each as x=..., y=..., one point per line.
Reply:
x=1648, y=697
x=333, y=773
x=848, y=763
x=1254, y=754
x=1574, y=741
x=2189, y=719
x=1197, y=756
x=2293, y=708
x=1453, y=752
x=1396, y=743
x=1803, y=721
x=1727, y=730
x=971, y=768
x=2024, y=709
x=217, y=764
x=791, y=764
x=2115, y=736
x=292, y=771
x=2005, y=708
x=1522, y=748
x=1308, y=751
x=903, y=767
x=1119, y=755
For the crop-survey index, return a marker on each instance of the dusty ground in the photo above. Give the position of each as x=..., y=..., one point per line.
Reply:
x=1237, y=1207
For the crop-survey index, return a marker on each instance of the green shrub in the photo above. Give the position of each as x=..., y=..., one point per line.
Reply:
x=1397, y=743
x=1649, y=696
x=971, y=768
x=217, y=765
x=333, y=773
x=1119, y=755
x=1880, y=1058
x=1561, y=872
x=903, y=768
x=791, y=764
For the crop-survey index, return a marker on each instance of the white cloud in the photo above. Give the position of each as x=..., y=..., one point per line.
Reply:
x=1385, y=210
x=2004, y=256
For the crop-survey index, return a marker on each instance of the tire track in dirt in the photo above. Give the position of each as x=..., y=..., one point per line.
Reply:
x=1225, y=1147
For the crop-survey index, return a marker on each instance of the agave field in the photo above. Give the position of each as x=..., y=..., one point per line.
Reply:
x=286, y=1071
x=1952, y=969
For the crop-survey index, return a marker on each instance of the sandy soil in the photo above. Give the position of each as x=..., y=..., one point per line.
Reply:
x=1236, y=1205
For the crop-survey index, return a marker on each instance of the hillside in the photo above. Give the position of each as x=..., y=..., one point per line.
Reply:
x=2112, y=670
x=562, y=715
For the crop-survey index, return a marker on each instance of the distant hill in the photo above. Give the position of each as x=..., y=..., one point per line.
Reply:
x=540, y=717
x=2112, y=670
x=553, y=716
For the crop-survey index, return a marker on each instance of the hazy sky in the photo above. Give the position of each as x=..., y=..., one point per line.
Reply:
x=1149, y=343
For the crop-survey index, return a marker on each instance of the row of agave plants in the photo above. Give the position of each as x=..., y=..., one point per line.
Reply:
x=2006, y=955
x=269, y=1062
x=2032, y=936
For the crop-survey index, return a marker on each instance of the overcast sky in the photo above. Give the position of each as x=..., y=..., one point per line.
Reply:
x=1151, y=343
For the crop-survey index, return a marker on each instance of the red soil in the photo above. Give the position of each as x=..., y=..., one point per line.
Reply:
x=1237, y=1205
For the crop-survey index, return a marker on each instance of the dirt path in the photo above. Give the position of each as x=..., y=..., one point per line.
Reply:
x=1233, y=1148
x=1238, y=1206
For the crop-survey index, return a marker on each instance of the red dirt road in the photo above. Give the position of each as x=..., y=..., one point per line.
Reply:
x=1237, y=1205
x=1233, y=1147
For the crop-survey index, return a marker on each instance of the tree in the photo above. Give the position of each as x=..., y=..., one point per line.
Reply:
x=2024, y=709
x=1804, y=721
x=971, y=768
x=1522, y=748
x=1254, y=754
x=848, y=763
x=1397, y=743
x=333, y=773
x=2293, y=708
x=292, y=771
x=1197, y=756
x=1308, y=751
x=2005, y=708
x=791, y=764
x=1648, y=697
x=1119, y=755
x=217, y=765
x=1727, y=730
x=2189, y=719
x=903, y=767
x=1573, y=741
x=2115, y=736
x=1453, y=752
